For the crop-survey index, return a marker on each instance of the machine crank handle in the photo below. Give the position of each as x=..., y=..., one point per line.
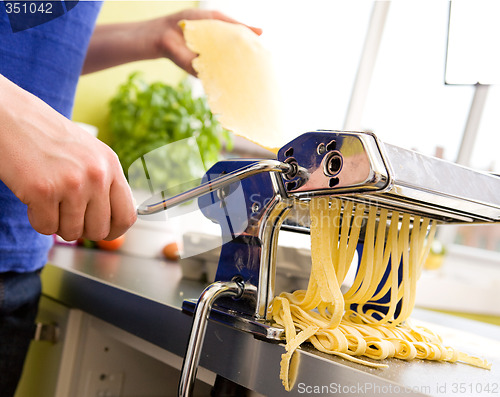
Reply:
x=199, y=327
x=218, y=183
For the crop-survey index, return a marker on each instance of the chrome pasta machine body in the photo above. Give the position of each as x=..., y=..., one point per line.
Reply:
x=252, y=200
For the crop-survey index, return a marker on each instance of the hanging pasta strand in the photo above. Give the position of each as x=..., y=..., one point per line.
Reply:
x=378, y=258
x=353, y=238
x=392, y=281
x=343, y=257
x=364, y=275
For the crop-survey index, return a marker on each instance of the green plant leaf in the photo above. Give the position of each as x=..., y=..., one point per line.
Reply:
x=147, y=116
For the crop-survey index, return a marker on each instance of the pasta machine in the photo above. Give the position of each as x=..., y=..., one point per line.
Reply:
x=252, y=200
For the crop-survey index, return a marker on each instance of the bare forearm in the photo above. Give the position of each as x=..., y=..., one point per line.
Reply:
x=116, y=44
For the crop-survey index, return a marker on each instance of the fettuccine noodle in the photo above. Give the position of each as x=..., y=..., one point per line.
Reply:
x=352, y=324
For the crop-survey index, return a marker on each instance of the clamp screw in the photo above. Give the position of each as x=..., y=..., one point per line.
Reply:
x=321, y=148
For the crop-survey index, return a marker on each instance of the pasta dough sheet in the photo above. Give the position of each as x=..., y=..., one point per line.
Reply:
x=238, y=77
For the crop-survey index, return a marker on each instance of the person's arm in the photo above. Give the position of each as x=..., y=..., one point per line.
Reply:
x=115, y=44
x=71, y=182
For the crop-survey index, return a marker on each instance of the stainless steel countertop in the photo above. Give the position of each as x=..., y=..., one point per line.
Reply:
x=144, y=297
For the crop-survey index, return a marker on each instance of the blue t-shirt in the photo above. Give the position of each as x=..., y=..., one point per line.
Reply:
x=42, y=52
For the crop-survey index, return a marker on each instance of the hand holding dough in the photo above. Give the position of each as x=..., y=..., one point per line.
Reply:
x=238, y=77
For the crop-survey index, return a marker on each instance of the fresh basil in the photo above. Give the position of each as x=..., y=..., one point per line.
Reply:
x=147, y=116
